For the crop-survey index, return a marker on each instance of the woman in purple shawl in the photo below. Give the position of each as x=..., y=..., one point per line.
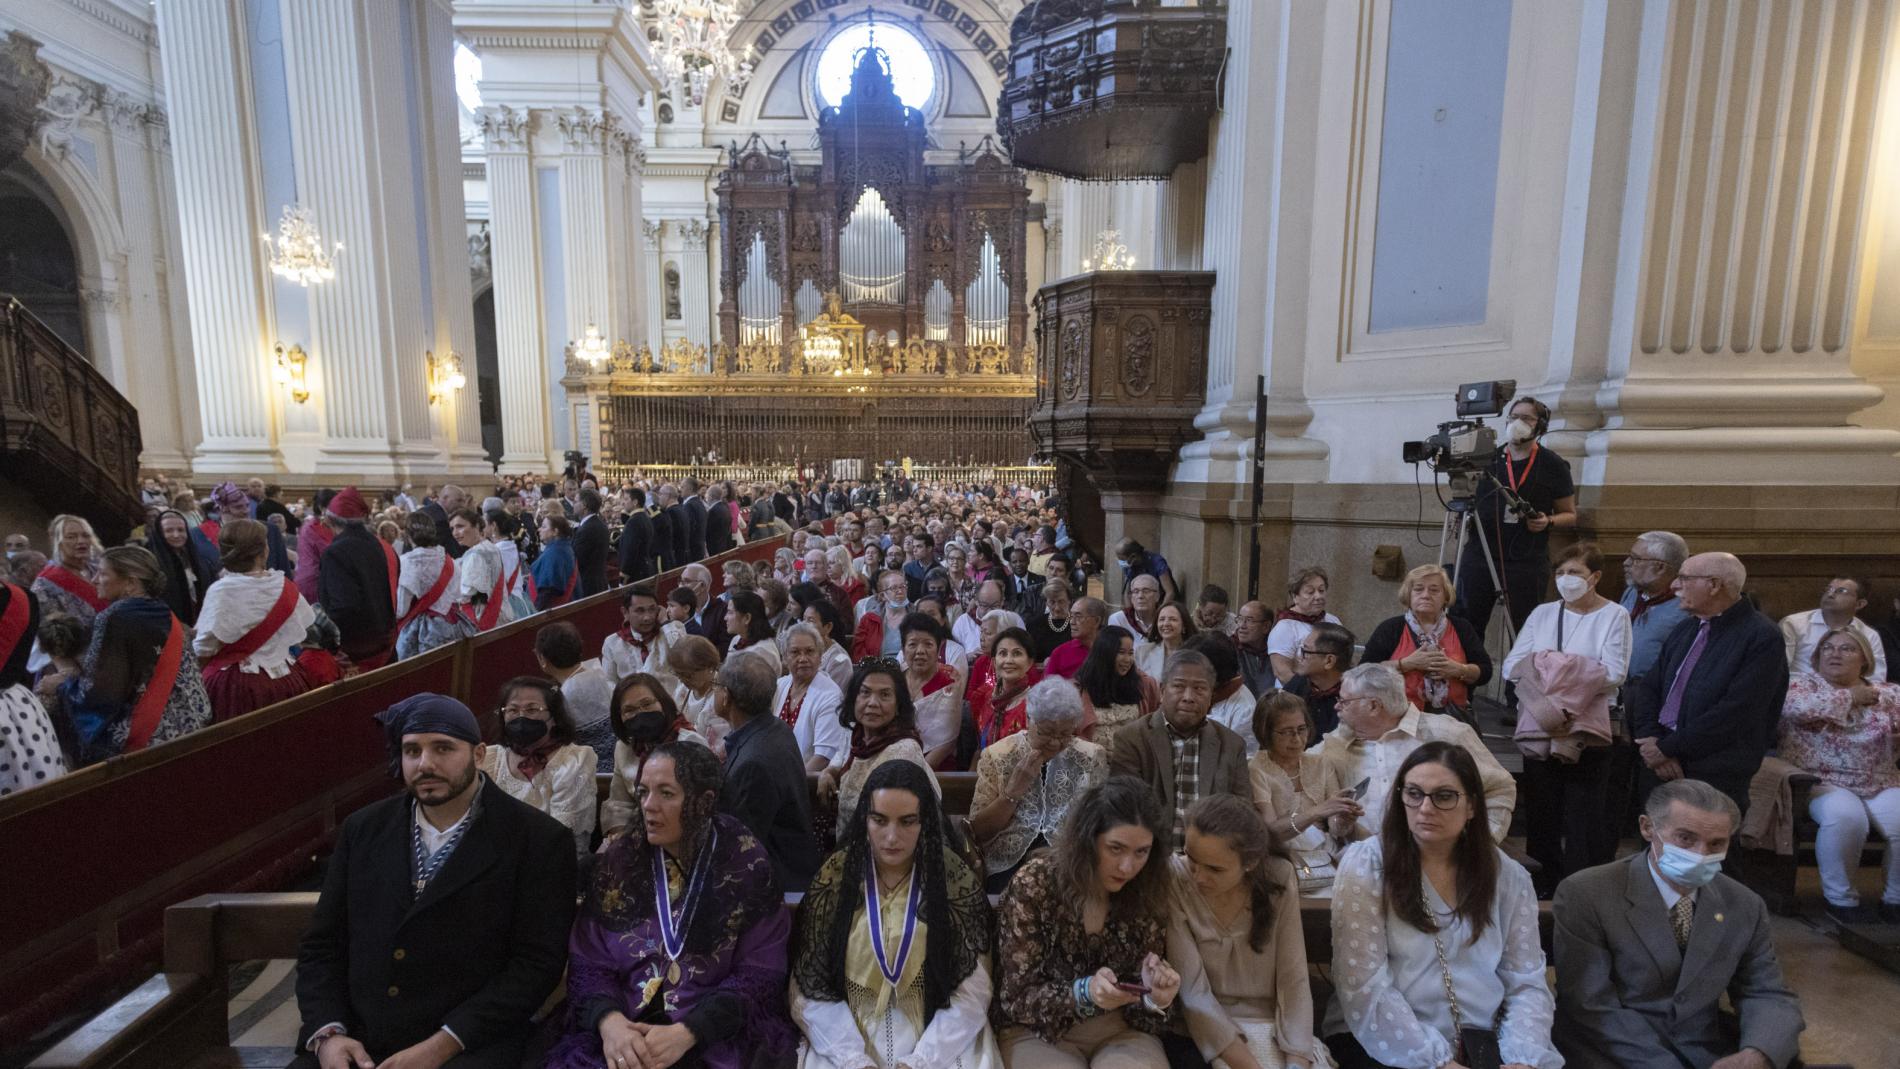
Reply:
x=679, y=954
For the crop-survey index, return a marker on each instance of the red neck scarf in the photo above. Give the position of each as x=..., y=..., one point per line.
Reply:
x=1644, y=603
x=638, y=643
x=789, y=712
x=864, y=747
x=1305, y=618
x=530, y=762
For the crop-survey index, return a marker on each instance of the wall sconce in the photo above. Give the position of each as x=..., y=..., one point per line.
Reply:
x=445, y=375
x=288, y=371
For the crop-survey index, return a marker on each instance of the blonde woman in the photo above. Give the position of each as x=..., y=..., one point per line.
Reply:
x=69, y=582
x=1441, y=656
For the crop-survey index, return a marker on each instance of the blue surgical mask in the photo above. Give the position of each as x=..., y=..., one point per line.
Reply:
x=1687, y=867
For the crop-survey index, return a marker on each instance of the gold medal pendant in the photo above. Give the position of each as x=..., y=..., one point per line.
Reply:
x=648, y=990
x=673, y=973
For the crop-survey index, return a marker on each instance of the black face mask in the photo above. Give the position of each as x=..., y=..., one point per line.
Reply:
x=645, y=730
x=522, y=733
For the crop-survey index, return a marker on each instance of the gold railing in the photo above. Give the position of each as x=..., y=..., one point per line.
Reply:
x=1037, y=477
x=915, y=367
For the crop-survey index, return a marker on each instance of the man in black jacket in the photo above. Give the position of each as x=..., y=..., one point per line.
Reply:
x=695, y=509
x=590, y=546
x=444, y=916
x=637, y=546
x=765, y=776
x=451, y=499
x=355, y=583
x=680, y=524
x=1709, y=708
x=718, y=521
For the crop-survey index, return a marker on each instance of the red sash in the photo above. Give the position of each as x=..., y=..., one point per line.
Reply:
x=567, y=592
x=492, y=611
x=212, y=529
x=73, y=584
x=158, y=690
x=442, y=580
x=13, y=622
x=395, y=571
x=254, y=639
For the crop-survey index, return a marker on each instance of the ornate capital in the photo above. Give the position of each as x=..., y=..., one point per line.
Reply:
x=653, y=229
x=25, y=81
x=585, y=130
x=128, y=113
x=70, y=101
x=693, y=234
x=506, y=129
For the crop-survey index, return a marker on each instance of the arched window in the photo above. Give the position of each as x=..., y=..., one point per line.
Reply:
x=38, y=265
x=871, y=253
x=913, y=75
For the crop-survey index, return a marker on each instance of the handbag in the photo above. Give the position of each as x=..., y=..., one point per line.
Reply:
x=1477, y=1048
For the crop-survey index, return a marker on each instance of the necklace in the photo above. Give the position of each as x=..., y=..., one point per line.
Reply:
x=892, y=969
x=673, y=929
x=1059, y=628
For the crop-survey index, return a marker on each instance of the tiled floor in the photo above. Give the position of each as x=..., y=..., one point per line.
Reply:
x=1852, y=1006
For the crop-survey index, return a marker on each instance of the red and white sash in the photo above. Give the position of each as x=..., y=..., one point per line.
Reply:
x=254, y=639
x=72, y=583
x=442, y=580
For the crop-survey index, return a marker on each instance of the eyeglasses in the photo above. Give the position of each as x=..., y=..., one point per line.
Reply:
x=1441, y=799
x=1308, y=651
x=1295, y=732
x=1685, y=577
x=524, y=710
x=1634, y=559
x=1842, y=592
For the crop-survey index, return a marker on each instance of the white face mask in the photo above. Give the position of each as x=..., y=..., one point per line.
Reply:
x=1572, y=587
x=1522, y=431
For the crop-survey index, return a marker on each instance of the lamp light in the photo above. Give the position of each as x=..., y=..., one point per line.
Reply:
x=287, y=370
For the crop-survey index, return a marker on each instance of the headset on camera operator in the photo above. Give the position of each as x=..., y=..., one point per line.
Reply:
x=1518, y=530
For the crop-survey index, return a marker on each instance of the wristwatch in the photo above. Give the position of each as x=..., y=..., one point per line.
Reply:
x=321, y=1034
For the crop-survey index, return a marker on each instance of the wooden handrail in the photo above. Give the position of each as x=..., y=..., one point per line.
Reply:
x=243, y=805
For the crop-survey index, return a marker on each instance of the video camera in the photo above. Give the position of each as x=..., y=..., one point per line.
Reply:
x=1465, y=445
x=576, y=465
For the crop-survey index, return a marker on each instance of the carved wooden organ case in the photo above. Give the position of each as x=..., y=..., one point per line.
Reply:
x=791, y=220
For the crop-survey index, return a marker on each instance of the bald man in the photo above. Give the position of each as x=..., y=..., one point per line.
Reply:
x=1709, y=707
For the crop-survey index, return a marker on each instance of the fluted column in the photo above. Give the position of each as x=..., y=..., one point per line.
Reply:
x=695, y=282
x=515, y=254
x=453, y=325
x=200, y=46
x=653, y=233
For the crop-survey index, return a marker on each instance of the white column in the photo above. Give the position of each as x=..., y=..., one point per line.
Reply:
x=200, y=47
x=653, y=233
x=515, y=254
x=696, y=303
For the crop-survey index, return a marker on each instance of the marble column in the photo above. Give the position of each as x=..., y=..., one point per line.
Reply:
x=201, y=48
x=653, y=234
x=515, y=255
x=696, y=303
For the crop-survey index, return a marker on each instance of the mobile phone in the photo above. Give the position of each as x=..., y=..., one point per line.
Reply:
x=1132, y=988
x=1359, y=789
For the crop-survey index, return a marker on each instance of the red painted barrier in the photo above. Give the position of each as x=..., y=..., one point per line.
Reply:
x=93, y=858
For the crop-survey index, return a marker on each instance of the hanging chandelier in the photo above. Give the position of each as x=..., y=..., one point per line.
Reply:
x=298, y=253
x=692, y=43
x=592, y=347
x=823, y=350
x=1109, y=254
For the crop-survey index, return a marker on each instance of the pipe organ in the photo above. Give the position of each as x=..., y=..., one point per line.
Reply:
x=872, y=306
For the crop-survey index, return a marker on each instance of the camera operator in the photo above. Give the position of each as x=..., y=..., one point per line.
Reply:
x=1520, y=546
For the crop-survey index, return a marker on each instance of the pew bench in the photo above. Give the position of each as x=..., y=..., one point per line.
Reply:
x=179, y=1017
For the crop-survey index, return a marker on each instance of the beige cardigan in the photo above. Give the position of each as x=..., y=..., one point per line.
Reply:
x=1223, y=978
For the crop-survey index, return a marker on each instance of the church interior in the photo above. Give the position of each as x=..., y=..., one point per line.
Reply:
x=1210, y=274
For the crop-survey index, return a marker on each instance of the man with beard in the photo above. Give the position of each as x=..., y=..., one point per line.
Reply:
x=443, y=921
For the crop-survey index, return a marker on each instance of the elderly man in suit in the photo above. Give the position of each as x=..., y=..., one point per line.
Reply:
x=1646, y=947
x=1178, y=750
x=443, y=921
x=1709, y=708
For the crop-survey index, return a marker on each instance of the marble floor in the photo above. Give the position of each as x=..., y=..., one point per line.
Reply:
x=1852, y=1006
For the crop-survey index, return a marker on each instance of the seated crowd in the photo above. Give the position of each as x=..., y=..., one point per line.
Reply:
x=1156, y=792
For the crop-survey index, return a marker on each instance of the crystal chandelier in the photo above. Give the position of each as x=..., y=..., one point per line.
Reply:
x=592, y=347
x=692, y=44
x=823, y=350
x=1109, y=254
x=298, y=253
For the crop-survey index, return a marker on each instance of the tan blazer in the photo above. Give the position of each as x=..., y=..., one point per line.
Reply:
x=1627, y=998
x=1142, y=749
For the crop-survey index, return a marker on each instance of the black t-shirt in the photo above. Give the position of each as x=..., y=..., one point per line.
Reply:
x=1541, y=479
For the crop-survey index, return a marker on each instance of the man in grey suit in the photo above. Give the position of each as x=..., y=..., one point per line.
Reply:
x=1645, y=948
x=1177, y=750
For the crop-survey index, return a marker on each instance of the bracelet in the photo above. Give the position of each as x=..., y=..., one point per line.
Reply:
x=1085, y=1006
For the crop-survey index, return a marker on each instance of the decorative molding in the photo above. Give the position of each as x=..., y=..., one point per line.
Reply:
x=128, y=113
x=654, y=230
x=584, y=129
x=475, y=169
x=70, y=101
x=693, y=234
x=143, y=31
x=506, y=129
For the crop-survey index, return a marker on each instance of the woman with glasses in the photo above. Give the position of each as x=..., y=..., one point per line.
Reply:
x=1282, y=774
x=1436, y=956
x=1568, y=662
x=645, y=718
x=538, y=761
x=1026, y=782
x=1441, y=656
x=1843, y=725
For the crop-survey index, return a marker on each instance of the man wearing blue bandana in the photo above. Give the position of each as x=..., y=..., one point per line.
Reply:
x=1646, y=947
x=444, y=916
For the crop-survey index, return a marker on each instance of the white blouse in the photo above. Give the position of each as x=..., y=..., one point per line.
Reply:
x=619, y=659
x=1390, y=988
x=563, y=790
x=477, y=573
x=234, y=605
x=698, y=711
x=1152, y=657
x=1286, y=636
x=420, y=568
x=837, y=665
x=818, y=731
x=1603, y=634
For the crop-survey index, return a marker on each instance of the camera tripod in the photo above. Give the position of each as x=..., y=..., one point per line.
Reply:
x=1455, y=533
